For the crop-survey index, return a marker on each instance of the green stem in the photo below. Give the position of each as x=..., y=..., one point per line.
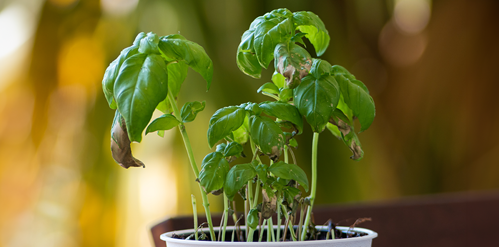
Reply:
x=195, y=215
x=226, y=215
x=261, y=230
x=286, y=154
x=278, y=237
x=250, y=235
x=313, y=189
x=187, y=143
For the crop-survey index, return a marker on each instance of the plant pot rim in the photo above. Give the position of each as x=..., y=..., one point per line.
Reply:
x=167, y=238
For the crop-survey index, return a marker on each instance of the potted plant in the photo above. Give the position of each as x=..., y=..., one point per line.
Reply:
x=148, y=76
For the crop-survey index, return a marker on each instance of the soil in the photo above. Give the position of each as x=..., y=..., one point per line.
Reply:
x=228, y=236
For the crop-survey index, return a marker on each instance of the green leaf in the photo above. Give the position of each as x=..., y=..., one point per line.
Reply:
x=246, y=57
x=178, y=48
x=290, y=171
x=165, y=122
x=270, y=33
x=149, y=44
x=269, y=87
x=346, y=132
x=293, y=62
x=112, y=73
x=278, y=79
x=253, y=218
x=214, y=169
x=284, y=111
x=177, y=72
x=316, y=98
x=241, y=134
x=233, y=149
x=261, y=170
x=267, y=136
x=320, y=67
x=223, y=122
x=141, y=85
x=309, y=23
x=238, y=176
x=285, y=94
x=190, y=110
x=356, y=96
x=165, y=106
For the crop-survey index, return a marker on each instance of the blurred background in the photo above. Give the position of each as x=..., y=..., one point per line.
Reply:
x=431, y=67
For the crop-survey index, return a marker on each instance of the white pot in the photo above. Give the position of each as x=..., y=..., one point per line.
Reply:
x=364, y=241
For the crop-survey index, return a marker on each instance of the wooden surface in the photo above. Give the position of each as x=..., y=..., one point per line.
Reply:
x=449, y=220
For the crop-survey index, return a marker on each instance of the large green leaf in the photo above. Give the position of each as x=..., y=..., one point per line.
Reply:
x=293, y=62
x=246, y=56
x=149, y=44
x=267, y=136
x=237, y=177
x=356, y=96
x=285, y=112
x=270, y=33
x=316, y=99
x=290, y=171
x=177, y=48
x=309, y=23
x=190, y=110
x=141, y=85
x=214, y=169
x=177, y=72
x=223, y=122
x=165, y=122
x=112, y=73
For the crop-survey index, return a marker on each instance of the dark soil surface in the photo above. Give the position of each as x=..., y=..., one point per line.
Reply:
x=205, y=236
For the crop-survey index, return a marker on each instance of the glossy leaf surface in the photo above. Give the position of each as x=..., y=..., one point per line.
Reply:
x=165, y=122
x=141, y=85
x=267, y=136
x=356, y=96
x=223, y=122
x=309, y=23
x=290, y=171
x=190, y=110
x=316, y=98
x=214, y=169
x=283, y=111
x=177, y=72
x=238, y=176
x=177, y=48
x=232, y=149
x=112, y=73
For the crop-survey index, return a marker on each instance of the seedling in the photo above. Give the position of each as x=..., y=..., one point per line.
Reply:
x=148, y=76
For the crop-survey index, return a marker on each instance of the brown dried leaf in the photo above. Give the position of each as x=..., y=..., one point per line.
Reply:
x=269, y=205
x=120, y=147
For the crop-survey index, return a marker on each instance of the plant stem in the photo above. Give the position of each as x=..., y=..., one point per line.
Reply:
x=261, y=230
x=313, y=189
x=250, y=235
x=187, y=143
x=288, y=221
x=195, y=215
x=270, y=231
x=226, y=215
x=286, y=154
x=278, y=237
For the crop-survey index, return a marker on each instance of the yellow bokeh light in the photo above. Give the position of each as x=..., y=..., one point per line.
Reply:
x=81, y=62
